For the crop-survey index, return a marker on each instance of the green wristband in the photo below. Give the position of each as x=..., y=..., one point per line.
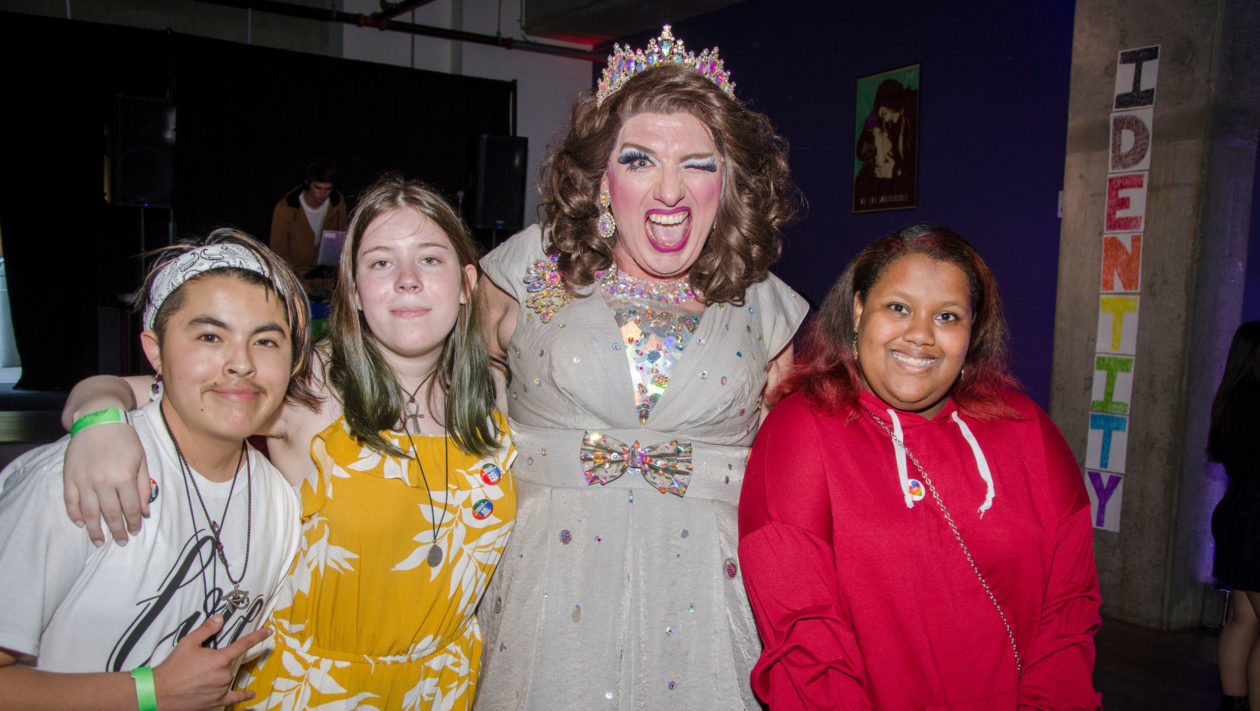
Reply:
x=100, y=417
x=146, y=695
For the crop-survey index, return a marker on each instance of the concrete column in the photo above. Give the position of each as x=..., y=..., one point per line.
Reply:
x=1194, y=251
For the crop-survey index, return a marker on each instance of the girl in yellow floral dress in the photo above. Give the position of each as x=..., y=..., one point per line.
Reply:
x=409, y=503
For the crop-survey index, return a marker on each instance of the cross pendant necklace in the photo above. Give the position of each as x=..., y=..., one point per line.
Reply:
x=435, y=555
x=411, y=410
x=413, y=415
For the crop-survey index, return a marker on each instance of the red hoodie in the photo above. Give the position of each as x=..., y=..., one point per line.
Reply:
x=862, y=594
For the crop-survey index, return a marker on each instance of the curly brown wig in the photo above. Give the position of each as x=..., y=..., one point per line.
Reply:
x=758, y=195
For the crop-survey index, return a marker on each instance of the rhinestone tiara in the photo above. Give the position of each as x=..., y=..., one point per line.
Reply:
x=624, y=63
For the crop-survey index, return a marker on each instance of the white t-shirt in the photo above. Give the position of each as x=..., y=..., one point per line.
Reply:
x=78, y=608
x=314, y=215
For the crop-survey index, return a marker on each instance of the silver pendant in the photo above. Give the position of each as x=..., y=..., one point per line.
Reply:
x=435, y=556
x=236, y=599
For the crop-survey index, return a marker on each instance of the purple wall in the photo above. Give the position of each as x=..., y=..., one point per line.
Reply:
x=993, y=125
x=1251, y=296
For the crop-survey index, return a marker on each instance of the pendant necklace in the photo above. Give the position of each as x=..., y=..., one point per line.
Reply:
x=434, y=558
x=411, y=409
x=238, y=598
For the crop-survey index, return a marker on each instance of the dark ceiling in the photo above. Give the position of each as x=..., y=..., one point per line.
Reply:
x=598, y=21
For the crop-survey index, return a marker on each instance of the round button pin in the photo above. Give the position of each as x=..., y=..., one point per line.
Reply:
x=491, y=474
x=915, y=487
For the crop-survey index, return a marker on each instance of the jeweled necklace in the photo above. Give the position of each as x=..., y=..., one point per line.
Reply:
x=434, y=557
x=614, y=282
x=238, y=598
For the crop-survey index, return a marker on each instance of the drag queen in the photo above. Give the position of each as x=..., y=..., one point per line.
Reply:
x=641, y=327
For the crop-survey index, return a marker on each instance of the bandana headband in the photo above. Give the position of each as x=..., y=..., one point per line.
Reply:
x=194, y=262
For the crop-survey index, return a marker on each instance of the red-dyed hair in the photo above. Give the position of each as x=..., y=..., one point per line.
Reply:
x=827, y=371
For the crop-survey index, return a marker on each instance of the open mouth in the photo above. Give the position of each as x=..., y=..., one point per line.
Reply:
x=668, y=231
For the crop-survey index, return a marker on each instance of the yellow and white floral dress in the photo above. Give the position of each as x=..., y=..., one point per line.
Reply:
x=364, y=621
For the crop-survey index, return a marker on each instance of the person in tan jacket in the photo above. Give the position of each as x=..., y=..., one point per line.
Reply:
x=301, y=216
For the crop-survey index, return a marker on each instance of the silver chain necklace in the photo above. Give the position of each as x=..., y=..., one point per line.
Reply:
x=1010, y=634
x=238, y=598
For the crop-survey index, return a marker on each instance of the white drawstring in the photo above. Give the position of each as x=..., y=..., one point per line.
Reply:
x=901, y=459
x=981, y=463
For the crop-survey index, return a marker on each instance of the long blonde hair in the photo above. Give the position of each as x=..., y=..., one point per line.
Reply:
x=368, y=389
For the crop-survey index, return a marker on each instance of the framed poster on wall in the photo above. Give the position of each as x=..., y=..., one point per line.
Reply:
x=886, y=141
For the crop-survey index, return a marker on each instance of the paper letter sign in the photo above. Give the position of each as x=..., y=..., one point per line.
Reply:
x=1105, y=492
x=1126, y=202
x=1108, y=442
x=1131, y=140
x=1122, y=263
x=1113, y=384
x=1136, y=75
x=1117, y=324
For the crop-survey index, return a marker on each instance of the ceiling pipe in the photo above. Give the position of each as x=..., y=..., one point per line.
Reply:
x=347, y=18
x=390, y=10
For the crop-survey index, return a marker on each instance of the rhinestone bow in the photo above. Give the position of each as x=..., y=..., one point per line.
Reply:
x=664, y=465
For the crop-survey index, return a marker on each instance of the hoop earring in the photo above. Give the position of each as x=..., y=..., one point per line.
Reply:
x=607, y=224
x=155, y=388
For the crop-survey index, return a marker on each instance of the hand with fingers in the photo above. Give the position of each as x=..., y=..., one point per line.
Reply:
x=106, y=476
x=195, y=677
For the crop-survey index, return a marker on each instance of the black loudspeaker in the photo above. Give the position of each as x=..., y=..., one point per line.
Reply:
x=142, y=152
x=499, y=192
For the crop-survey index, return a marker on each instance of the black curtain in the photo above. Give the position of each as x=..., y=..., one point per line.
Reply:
x=248, y=120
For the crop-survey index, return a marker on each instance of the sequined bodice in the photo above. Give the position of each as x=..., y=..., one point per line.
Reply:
x=569, y=372
x=655, y=336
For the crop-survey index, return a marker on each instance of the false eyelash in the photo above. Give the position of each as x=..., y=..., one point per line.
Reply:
x=631, y=155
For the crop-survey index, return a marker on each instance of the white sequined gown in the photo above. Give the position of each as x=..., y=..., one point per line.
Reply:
x=618, y=596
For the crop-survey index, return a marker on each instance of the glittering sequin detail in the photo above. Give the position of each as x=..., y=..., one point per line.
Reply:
x=655, y=339
x=546, y=290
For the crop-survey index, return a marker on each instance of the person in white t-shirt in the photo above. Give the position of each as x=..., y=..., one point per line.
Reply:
x=164, y=620
x=299, y=219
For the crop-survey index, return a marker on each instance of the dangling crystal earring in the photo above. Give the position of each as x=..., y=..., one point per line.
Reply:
x=155, y=388
x=607, y=224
